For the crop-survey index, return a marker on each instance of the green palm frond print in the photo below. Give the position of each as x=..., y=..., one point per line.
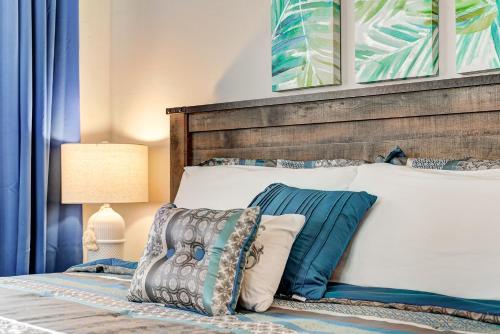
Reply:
x=478, y=35
x=396, y=39
x=305, y=43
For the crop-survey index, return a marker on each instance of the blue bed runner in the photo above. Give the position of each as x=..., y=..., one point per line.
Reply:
x=409, y=297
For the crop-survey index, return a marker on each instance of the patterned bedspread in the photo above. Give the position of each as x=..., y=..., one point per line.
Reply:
x=96, y=303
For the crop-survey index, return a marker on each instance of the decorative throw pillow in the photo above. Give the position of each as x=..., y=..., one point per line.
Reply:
x=331, y=220
x=398, y=157
x=267, y=260
x=238, y=162
x=282, y=163
x=457, y=165
x=194, y=259
x=323, y=163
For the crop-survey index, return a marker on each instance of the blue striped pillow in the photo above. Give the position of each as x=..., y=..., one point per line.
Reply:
x=331, y=220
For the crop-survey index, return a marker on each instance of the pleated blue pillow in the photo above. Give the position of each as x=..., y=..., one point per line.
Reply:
x=331, y=220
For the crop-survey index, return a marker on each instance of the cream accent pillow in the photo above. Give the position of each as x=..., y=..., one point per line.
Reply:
x=430, y=230
x=229, y=187
x=267, y=260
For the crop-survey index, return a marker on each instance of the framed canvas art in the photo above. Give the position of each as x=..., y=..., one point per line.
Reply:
x=478, y=35
x=396, y=39
x=305, y=43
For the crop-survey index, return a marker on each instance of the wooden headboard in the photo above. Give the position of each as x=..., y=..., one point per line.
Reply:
x=452, y=118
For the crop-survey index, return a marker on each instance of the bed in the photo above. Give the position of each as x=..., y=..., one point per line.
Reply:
x=86, y=302
x=453, y=118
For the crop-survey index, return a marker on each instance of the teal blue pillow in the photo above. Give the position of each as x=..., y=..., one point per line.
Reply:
x=331, y=220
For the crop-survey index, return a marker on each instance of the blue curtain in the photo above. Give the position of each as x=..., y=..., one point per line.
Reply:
x=39, y=110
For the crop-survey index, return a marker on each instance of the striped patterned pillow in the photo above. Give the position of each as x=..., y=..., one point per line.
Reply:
x=282, y=163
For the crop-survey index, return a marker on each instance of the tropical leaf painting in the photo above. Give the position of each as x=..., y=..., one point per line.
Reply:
x=305, y=43
x=478, y=35
x=396, y=39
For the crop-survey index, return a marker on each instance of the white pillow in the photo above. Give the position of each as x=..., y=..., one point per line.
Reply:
x=229, y=187
x=435, y=231
x=272, y=246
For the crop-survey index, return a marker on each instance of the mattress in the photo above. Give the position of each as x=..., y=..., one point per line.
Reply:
x=86, y=302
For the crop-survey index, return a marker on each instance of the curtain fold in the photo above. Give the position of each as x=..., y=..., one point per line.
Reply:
x=39, y=110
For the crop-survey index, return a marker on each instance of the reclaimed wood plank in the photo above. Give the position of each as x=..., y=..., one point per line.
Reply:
x=472, y=124
x=436, y=102
x=430, y=84
x=485, y=147
x=179, y=151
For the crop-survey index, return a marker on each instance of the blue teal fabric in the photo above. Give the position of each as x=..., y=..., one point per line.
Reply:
x=106, y=295
x=332, y=217
x=395, y=157
x=210, y=285
x=359, y=293
x=410, y=297
x=109, y=266
x=112, y=262
x=39, y=110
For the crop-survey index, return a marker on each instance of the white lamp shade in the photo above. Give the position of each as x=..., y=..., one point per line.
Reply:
x=104, y=173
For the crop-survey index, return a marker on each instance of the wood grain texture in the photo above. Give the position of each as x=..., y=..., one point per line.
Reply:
x=432, y=84
x=179, y=154
x=451, y=119
x=424, y=103
x=471, y=124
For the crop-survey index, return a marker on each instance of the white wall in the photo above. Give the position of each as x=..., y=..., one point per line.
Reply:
x=186, y=52
x=95, y=60
x=95, y=78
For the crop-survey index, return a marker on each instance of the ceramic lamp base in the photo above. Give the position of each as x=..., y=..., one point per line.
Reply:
x=105, y=235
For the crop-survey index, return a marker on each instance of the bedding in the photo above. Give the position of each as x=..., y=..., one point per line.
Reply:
x=195, y=259
x=430, y=230
x=484, y=310
x=229, y=187
x=95, y=302
x=267, y=260
x=331, y=220
x=457, y=165
x=282, y=163
x=398, y=157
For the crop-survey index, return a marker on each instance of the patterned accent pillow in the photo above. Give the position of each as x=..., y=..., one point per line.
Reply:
x=282, y=163
x=238, y=162
x=398, y=157
x=318, y=163
x=457, y=165
x=427, y=163
x=194, y=259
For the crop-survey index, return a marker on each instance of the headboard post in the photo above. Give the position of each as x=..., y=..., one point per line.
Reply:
x=178, y=150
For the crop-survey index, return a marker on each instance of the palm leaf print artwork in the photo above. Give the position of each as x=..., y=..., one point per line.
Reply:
x=396, y=39
x=478, y=35
x=305, y=43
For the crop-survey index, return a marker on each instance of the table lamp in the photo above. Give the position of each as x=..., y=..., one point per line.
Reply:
x=104, y=174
